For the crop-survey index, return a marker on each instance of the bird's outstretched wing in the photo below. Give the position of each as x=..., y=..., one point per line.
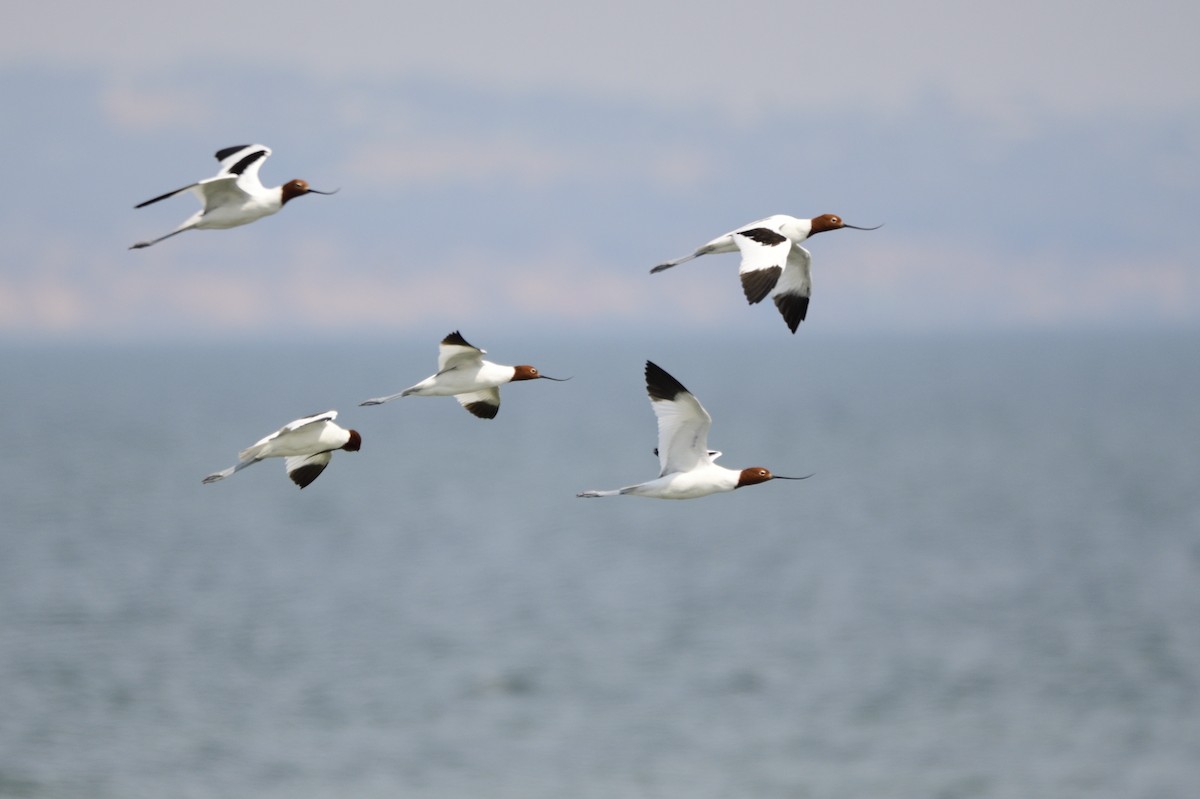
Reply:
x=764, y=255
x=683, y=424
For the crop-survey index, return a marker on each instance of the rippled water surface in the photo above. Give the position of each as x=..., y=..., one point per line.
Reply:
x=990, y=588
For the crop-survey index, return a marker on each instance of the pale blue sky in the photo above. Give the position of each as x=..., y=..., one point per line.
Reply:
x=1037, y=164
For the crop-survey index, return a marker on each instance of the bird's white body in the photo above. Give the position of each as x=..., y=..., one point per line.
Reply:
x=307, y=436
x=704, y=479
x=225, y=207
x=688, y=468
x=234, y=196
x=464, y=374
x=773, y=262
x=793, y=228
x=470, y=375
x=307, y=445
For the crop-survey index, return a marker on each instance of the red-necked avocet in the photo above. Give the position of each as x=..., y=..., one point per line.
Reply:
x=773, y=262
x=234, y=196
x=688, y=468
x=465, y=375
x=307, y=444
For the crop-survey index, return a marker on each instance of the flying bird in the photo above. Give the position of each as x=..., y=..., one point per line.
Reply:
x=688, y=467
x=234, y=196
x=307, y=444
x=773, y=262
x=465, y=375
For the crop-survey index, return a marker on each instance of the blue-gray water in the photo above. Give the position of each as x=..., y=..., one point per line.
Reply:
x=991, y=587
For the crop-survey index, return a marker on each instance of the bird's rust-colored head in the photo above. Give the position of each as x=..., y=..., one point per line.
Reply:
x=757, y=474
x=355, y=442
x=527, y=372
x=298, y=188
x=825, y=222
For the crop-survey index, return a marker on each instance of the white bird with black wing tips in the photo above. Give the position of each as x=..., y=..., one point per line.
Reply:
x=307, y=445
x=688, y=468
x=773, y=262
x=464, y=374
x=234, y=196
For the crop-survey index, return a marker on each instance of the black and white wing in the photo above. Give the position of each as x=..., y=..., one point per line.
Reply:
x=683, y=424
x=454, y=352
x=303, y=469
x=764, y=255
x=237, y=181
x=794, y=288
x=239, y=172
x=243, y=162
x=485, y=403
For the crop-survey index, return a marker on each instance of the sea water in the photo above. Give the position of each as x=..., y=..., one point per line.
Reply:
x=989, y=588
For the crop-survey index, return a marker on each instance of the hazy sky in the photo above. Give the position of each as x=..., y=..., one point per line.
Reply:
x=1035, y=163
